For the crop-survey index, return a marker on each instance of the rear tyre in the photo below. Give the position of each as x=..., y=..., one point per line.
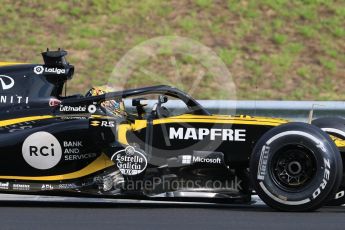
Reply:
x=334, y=126
x=295, y=167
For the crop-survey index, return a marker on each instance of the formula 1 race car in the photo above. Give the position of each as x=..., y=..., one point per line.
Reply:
x=95, y=145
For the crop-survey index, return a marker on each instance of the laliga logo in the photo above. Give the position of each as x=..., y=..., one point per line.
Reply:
x=7, y=85
x=38, y=69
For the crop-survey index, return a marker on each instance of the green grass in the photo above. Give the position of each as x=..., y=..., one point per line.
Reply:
x=328, y=64
x=188, y=23
x=304, y=72
x=204, y=3
x=307, y=31
x=274, y=49
x=228, y=55
x=279, y=38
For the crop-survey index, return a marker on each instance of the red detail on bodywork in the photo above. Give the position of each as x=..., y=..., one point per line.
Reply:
x=53, y=102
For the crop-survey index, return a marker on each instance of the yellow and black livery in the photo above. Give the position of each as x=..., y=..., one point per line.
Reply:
x=95, y=145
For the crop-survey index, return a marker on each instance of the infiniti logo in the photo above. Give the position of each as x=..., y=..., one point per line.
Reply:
x=6, y=82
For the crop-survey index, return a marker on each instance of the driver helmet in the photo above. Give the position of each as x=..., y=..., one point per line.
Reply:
x=114, y=106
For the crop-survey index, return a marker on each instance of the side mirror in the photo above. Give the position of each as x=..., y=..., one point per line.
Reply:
x=162, y=99
x=139, y=102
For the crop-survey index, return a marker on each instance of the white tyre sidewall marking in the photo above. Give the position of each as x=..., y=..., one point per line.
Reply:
x=287, y=202
x=336, y=131
x=339, y=195
x=261, y=177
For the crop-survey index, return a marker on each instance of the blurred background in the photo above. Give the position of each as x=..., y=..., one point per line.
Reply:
x=274, y=49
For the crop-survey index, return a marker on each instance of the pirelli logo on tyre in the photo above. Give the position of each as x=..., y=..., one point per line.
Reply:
x=263, y=162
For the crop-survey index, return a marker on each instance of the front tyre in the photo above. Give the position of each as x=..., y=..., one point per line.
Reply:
x=295, y=167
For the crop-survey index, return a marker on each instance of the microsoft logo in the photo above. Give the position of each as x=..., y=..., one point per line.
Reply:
x=186, y=159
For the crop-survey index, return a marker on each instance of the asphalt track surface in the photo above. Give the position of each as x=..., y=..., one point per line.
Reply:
x=108, y=215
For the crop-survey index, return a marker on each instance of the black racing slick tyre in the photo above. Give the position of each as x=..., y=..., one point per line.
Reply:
x=331, y=125
x=334, y=126
x=295, y=167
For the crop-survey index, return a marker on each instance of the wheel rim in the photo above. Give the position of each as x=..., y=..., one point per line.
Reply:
x=293, y=167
